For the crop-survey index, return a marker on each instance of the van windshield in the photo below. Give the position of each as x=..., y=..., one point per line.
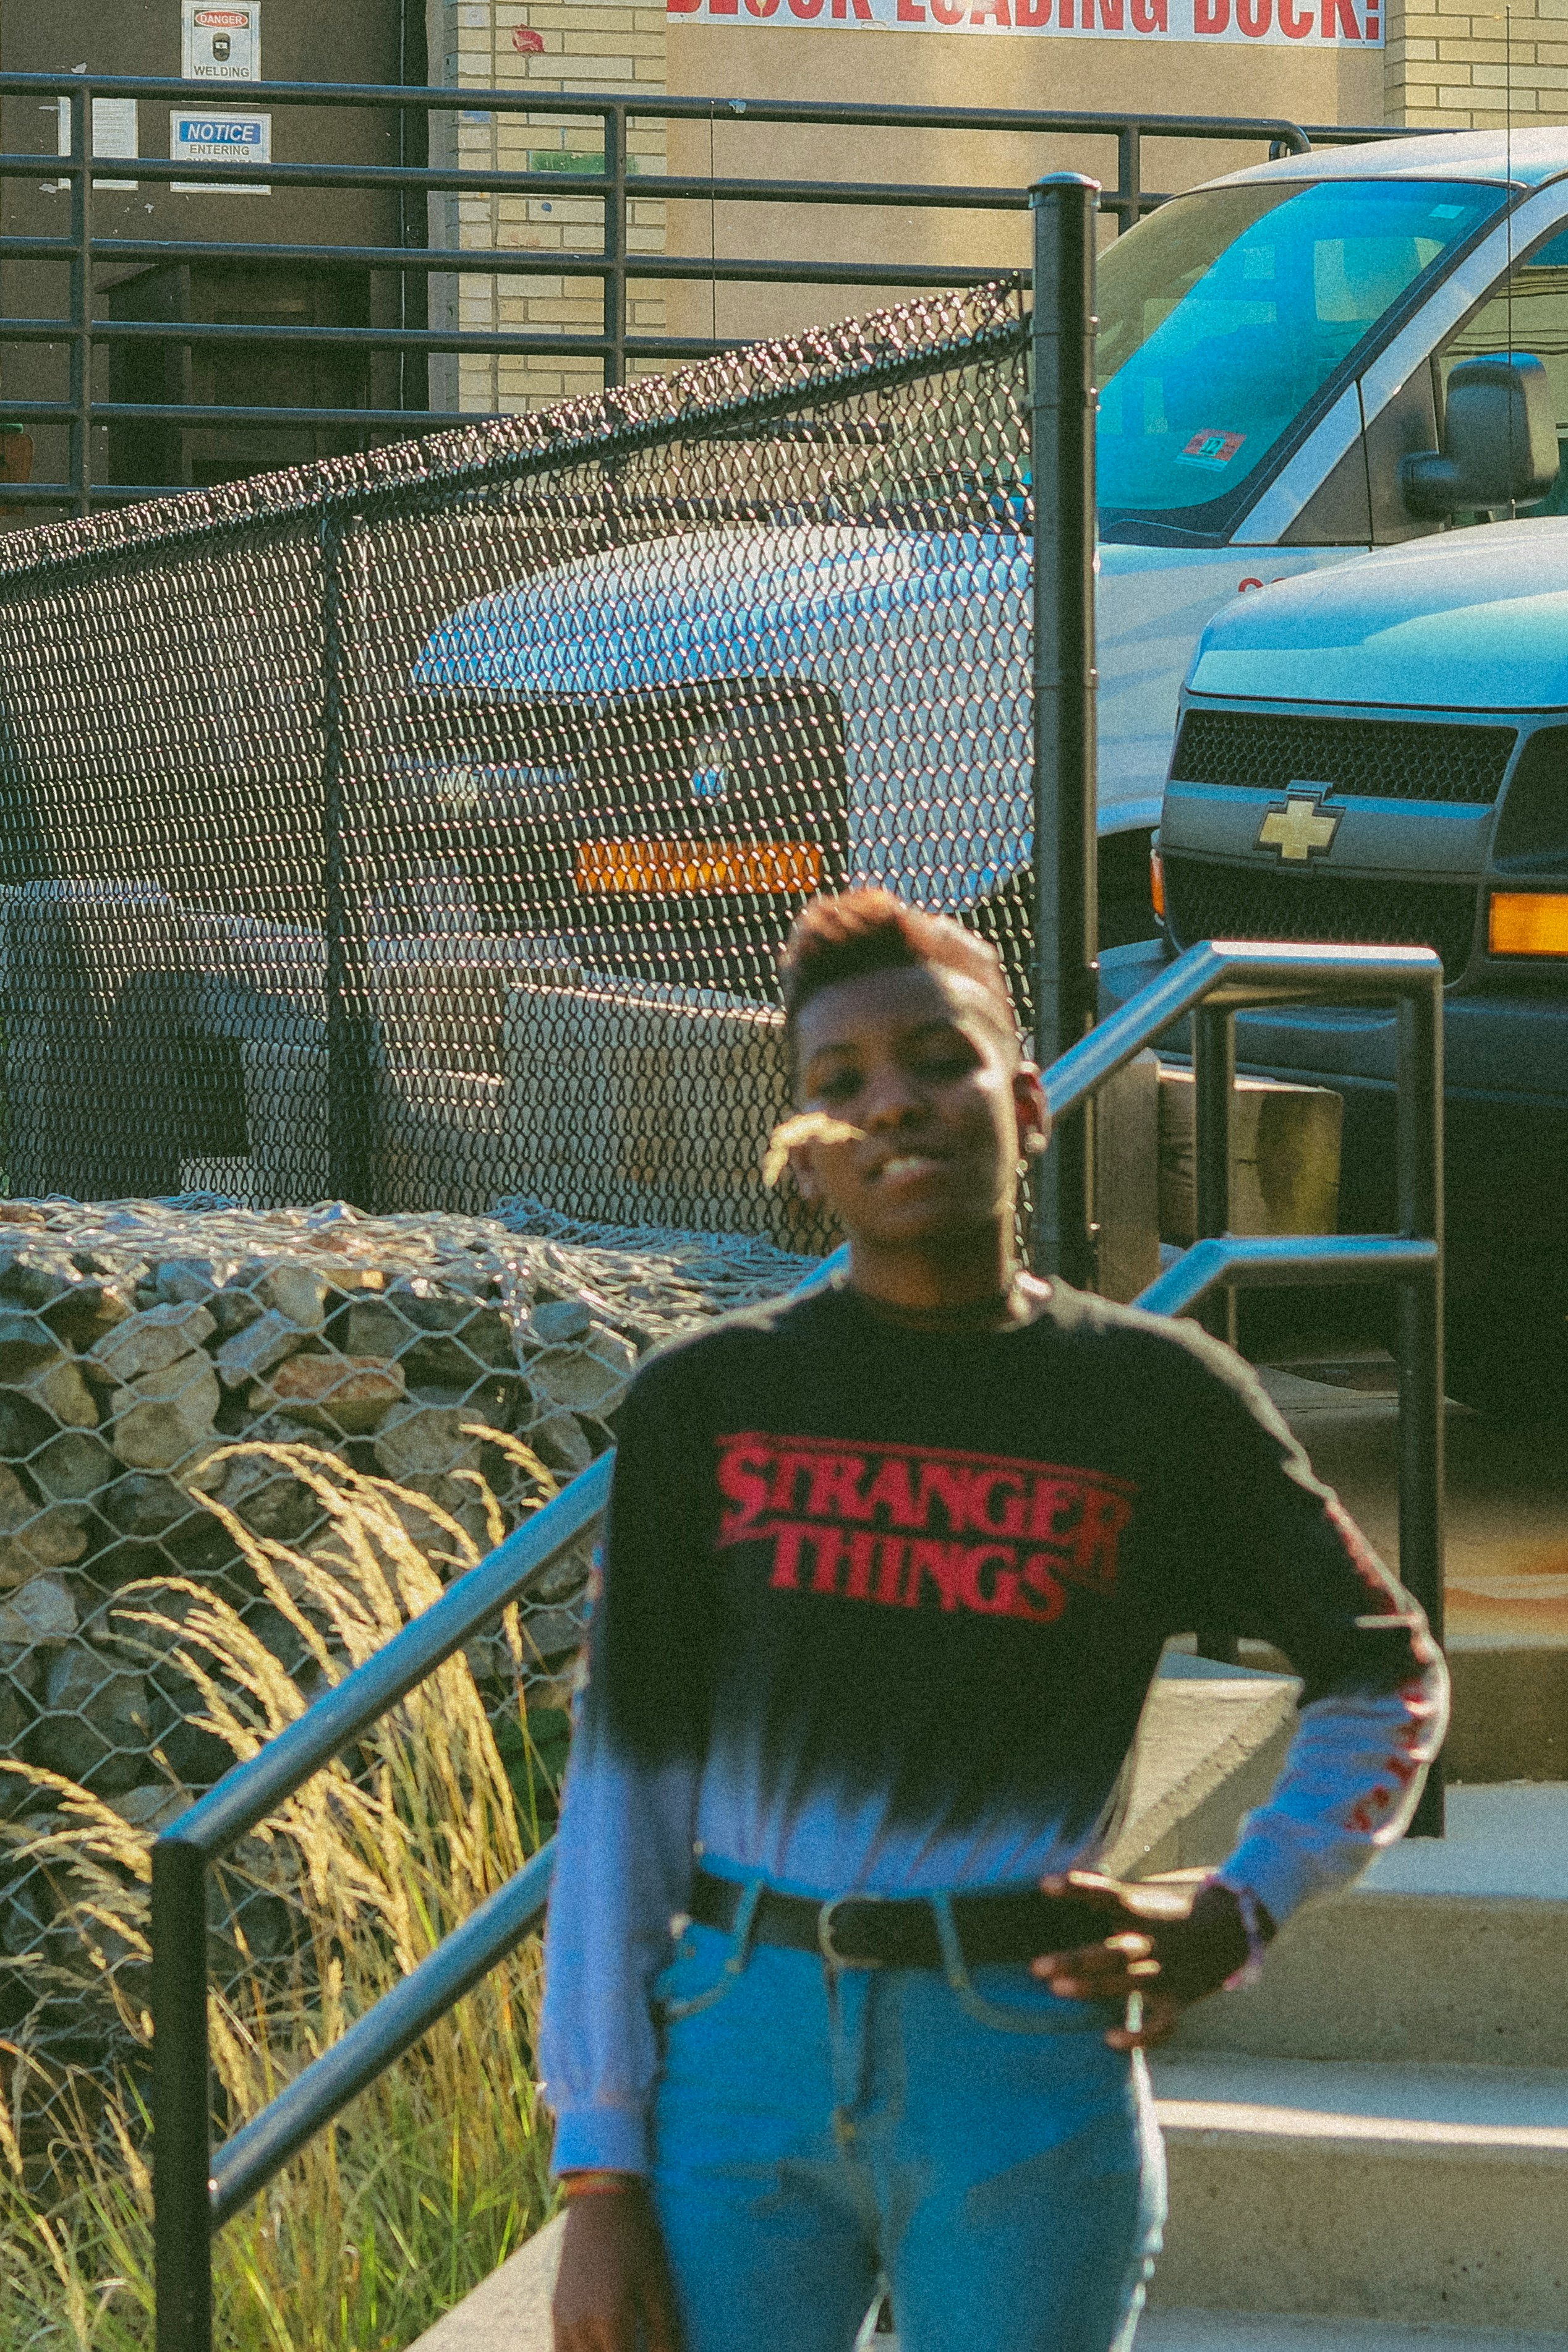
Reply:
x=1224, y=313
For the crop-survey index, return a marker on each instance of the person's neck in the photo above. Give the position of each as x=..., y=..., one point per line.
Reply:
x=964, y=1280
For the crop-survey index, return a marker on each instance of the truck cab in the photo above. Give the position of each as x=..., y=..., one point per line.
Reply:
x=1381, y=754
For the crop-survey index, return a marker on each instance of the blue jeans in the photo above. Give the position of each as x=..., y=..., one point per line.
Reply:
x=967, y=2135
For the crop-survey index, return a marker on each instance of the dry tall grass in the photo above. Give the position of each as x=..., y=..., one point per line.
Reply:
x=439, y=2169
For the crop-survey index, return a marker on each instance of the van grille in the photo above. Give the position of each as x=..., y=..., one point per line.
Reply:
x=1385, y=758
x=1230, y=902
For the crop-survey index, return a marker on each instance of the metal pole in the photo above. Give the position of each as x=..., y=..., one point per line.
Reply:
x=182, y=2231
x=1214, y=1096
x=350, y=1075
x=1066, y=898
x=80, y=169
x=1213, y=1093
x=412, y=205
x=1419, y=1099
x=1130, y=176
x=615, y=242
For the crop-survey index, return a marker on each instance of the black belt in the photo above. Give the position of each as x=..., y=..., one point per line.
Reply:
x=873, y=1931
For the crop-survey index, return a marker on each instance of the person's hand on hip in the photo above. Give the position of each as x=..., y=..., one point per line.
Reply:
x=1163, y=1949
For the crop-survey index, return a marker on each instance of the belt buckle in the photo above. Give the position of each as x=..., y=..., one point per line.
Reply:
x=826, y=1945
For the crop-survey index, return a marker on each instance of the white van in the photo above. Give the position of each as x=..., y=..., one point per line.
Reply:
x=732, y=714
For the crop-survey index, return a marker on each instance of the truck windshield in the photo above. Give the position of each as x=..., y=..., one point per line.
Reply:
x=1227, y=312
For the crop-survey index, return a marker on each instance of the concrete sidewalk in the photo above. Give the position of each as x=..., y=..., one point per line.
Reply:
x=1506, y=1569
x=510, y=2312
x=1379, y=2129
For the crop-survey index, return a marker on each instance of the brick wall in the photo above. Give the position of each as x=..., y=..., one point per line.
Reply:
x=548, y=45
x=1458, y=71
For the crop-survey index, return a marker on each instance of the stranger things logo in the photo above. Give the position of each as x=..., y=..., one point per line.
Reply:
x=922, y=1527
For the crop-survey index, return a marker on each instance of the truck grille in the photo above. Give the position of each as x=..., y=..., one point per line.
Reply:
x=1386, y=757
x=1228, y=902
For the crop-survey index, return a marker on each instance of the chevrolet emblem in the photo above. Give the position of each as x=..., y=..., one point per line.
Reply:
x=1300, y=828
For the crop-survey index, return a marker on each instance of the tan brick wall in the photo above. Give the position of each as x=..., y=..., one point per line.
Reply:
x=588, y=46
x=1447, y=65
x=1458, y=69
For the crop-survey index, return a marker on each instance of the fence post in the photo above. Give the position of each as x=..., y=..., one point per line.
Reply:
x=1066, y=913
x=80, y=377
x=349, y=1071
x=1419, y=1100
x=181, y=2229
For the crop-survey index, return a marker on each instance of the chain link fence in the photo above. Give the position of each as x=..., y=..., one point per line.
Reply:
x=393, y=858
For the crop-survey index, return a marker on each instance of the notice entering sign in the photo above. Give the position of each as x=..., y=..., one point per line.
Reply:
x=219, y=139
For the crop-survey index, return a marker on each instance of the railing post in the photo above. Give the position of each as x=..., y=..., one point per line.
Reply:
x=617, y=240
x=412, y=205
x=1419, y=1110
x=80, y=167
x=181, y=2101
x=1214, y=1097
x=1213, y=1093
x=1130, y=176
x=1066, y=898
x=351, y=1078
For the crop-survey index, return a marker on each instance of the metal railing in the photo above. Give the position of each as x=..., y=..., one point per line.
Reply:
x=195, y=2189
x=613, y=265
x=1212, y=983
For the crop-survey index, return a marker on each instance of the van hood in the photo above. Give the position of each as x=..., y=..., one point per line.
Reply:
x=1471, y=620
x=710, y=604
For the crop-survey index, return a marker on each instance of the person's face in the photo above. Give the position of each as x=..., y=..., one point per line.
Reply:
x=918, y=1060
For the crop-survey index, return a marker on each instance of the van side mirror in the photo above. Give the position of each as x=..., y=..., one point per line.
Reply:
x=1500, y=439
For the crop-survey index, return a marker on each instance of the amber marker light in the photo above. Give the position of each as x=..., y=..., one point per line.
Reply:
x=1528, y=923
x=1157, y=883
x=694, y=868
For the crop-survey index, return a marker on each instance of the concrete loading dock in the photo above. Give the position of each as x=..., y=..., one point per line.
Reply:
x=494, y=1073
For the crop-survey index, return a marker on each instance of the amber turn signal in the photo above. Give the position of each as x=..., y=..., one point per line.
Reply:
x=1157, y=883
x=1528, y=923
x=678, y=869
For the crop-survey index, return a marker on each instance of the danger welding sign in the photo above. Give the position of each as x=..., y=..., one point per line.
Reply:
x=220, y=42
x=1267, y=23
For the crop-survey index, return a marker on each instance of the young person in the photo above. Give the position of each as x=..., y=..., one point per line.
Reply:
x=833, y=1991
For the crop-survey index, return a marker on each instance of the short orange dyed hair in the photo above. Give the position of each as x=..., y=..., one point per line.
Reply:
x=860, y=930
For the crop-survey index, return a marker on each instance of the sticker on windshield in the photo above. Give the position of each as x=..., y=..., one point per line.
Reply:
x=1211, y=446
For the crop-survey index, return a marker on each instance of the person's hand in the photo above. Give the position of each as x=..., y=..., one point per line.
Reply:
x=613, y=2276
x=1168, y=1946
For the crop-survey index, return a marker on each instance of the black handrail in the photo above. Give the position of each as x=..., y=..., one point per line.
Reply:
x=196, y=2191
x=185, y=2174
x=614, y=264
x=1214, y=982
x=378, y=2039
